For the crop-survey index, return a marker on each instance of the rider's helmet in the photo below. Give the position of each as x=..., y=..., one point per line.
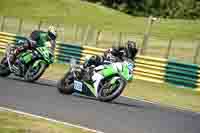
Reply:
x=52, y=33
x=131, y=49
x=108, y=53
x=131, y=44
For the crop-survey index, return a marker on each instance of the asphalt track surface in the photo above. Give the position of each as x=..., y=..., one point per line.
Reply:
x=122, y=116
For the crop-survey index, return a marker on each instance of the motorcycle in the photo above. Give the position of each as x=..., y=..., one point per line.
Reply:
x=30, y=64
x=78, y=80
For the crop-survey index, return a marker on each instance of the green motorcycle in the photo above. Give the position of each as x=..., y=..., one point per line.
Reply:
x=115, y=77
x=32, y=64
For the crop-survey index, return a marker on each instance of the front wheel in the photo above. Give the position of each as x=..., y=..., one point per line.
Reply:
x=34, y=72
x=109, y=92
x=4, y=69
x=66, y=84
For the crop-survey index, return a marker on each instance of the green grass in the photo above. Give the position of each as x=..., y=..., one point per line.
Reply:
x=84, y=13
x=55, y=71
x=165, y=94
x=15, y=123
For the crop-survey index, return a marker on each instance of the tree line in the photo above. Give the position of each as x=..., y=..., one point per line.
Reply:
x=186, y=9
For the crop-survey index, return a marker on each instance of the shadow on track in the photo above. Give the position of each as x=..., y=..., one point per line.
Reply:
x=121, y=101
x=115, y=102
x=42, y=82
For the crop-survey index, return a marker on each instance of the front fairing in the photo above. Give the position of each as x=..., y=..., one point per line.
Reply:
x=84, y=87
x=127, y=72
x=25, y=57
x=125, y=69
x=46, y=53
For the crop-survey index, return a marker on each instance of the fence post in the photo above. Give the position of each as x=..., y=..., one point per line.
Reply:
x=39, y=25
x=147, y=34
x=120, y=39
x=63, y=33
x=97, y=37
x=75, y=32
x=61, y=30
x=20, y=25
x=196, y=53
x=86, y=35
x=169, y=48
x=3, y=23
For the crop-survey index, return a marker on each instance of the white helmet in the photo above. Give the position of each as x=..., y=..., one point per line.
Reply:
x=52, y=32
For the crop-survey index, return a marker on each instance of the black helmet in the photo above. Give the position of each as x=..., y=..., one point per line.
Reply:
x=131, y=44
x=131, y=49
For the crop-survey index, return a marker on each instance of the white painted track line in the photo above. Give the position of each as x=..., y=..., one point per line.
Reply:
x=49, y=119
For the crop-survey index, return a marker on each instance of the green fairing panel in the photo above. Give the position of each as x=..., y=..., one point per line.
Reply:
x=91, y=88
x=110, y=70
x=45, y=52
x=126, y=74
x=25, y=57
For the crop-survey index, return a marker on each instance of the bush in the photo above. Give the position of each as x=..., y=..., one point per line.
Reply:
x=187, y=9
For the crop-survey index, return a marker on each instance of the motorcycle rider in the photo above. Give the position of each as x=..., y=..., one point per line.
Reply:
x=36, y=39
x=116, y=56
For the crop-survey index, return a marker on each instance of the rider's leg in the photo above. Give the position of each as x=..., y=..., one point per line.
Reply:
x=99, y=68
x=97, y=79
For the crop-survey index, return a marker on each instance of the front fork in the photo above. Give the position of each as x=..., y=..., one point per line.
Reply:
x=8, y=60
x=12, y=67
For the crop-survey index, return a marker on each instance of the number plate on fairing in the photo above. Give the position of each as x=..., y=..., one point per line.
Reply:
x=78, y=86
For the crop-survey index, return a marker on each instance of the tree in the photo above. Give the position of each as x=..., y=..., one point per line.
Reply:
x=165, y=8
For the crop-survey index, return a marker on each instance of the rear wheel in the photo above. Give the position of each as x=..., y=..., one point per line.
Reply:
x=4, y=69
x=34, y=73
x=66, y=84
x=109, y=92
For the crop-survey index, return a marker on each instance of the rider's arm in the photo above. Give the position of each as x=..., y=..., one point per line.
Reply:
x=133, y=53
x=53, y=44
x=94, y=60
x=31, y=44
x=27, y=44
x=116, y=51
x=35, y=37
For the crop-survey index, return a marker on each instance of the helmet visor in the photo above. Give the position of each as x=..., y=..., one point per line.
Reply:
x=51, y=36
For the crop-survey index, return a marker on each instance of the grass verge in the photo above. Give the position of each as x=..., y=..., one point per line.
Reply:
x=165, y=94
x=84, y=13
x=55, y=71
x=15, y=123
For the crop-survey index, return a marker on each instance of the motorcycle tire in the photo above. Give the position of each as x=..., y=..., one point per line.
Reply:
x=66, y=84
x=4, y=70
x=31, y=78
x=115, y=94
